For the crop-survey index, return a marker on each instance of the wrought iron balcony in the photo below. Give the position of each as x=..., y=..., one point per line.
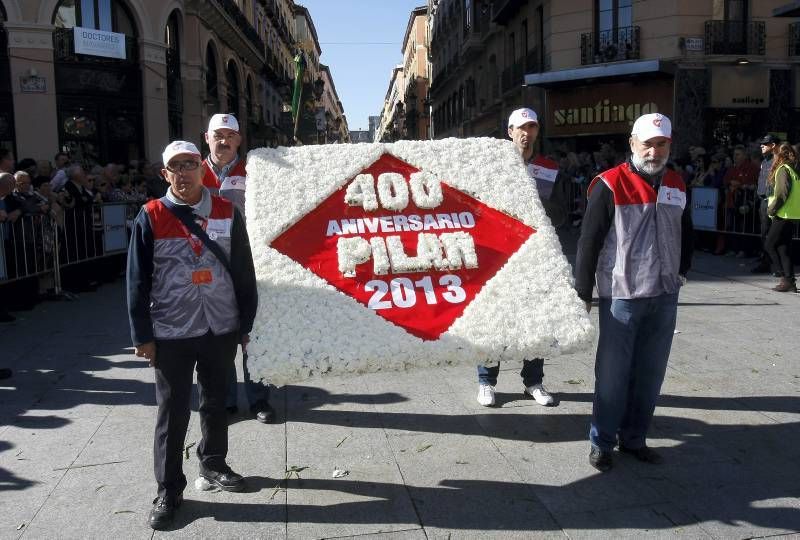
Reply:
x=232, y=26
x=610, y=45
x=735, y=37
x=504, y=10
x=794, y=39
x=64, y=50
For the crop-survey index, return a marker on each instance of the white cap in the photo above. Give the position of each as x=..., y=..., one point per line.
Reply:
x=178, y=147
x=523, y=116
x=652, y=125
x=223, y=121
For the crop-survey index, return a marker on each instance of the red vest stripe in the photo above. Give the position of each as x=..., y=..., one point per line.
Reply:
x=166, y=225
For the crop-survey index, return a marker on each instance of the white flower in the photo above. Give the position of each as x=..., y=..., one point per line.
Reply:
x=393, y=191
x=305, y=327
x=426, y=190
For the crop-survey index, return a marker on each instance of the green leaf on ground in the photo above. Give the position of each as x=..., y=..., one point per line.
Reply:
x=423, y=447
x=575, y=381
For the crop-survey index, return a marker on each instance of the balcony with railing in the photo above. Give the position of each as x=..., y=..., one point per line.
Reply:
x=64, y=50
x=735, y=37
x=794, y=39
x=514, y=75
x=613, y=45
x=232, y=25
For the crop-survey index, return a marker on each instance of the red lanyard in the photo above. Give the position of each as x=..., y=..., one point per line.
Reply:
x=195, y=243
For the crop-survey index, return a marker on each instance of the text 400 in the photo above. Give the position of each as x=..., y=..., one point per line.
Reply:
x=404, y=291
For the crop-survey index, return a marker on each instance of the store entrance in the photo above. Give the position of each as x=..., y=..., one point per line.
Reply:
x=100, y=130
x=729, y=127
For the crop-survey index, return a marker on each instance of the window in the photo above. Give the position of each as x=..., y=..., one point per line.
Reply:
x=108, y=15
x=613, y=14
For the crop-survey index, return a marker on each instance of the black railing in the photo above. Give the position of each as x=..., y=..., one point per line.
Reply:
x=64, y=50
x=610, y=45
x=242, y=23
x=735, y=37
x=794, y=39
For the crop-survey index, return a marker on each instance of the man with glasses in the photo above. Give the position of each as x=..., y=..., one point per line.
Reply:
x=225, y=174
x=189, y=308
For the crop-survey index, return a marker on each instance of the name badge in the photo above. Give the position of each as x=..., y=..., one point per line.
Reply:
x=202, y=277
x=218, y=228
x=234, y=182
x=672, y=196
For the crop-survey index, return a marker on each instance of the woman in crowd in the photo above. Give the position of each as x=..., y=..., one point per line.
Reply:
x=702, y=175
x=783, y=207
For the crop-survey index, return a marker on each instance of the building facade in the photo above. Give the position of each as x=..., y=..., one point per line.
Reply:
x=726, y=71
x=406, y=111
x=165, y=67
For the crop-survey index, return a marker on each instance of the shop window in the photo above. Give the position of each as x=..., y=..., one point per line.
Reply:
x=80, y=126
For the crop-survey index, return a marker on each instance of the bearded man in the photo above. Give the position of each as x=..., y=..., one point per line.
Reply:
x=636, y=244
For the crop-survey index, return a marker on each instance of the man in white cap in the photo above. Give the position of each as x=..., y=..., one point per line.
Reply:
x=636, y=244
x=191, y=301
x=523, y=129
x=224, y=173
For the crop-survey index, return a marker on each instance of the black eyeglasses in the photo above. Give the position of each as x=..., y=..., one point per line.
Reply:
x=188, y=165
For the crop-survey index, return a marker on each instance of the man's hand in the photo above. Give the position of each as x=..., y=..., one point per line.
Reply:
x=588, y=307
x=245, y=341
x=147, y=350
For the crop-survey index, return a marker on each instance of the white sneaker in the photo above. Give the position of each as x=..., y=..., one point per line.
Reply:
x=486, y=394
x=541, y=395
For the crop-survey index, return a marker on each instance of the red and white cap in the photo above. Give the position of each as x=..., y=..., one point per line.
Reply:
x=649, y=126
x=223, y=121
x=176, y=148
x=523, y=116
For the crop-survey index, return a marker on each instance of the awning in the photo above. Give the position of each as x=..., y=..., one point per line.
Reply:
x=615, y=69
x=792, y=9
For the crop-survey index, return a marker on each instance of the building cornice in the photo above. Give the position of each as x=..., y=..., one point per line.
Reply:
x=29, y=35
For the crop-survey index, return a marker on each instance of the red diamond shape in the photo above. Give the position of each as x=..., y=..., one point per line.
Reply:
x=425, y=303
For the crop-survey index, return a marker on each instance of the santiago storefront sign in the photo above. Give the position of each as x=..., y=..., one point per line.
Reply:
x=605, y=108
x=99, y=43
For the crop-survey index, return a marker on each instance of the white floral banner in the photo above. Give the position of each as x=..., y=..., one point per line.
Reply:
x=377, y=257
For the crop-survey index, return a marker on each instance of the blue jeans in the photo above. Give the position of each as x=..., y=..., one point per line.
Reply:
x=257, y=392
x=532, y=372
x=632, y=353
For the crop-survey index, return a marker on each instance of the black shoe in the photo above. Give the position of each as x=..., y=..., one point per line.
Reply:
x=233, y=409
x=644, y=454
x=600, y=459
x=5, y=373
x=163, y=511
x=226, y=480
x=264, y=413
x=777, y=273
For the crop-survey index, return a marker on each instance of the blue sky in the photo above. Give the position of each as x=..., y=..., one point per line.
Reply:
x=361, y=42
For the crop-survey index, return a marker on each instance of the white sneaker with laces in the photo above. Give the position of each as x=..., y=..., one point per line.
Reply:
x=486, y=394
x=538, y=393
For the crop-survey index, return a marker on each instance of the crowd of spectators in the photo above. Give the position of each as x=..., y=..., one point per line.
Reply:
x=40, y=200
x=733, y=169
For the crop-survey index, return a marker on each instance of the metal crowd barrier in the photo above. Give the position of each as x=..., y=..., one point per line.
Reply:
x=36, y=245
x=729, y=211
